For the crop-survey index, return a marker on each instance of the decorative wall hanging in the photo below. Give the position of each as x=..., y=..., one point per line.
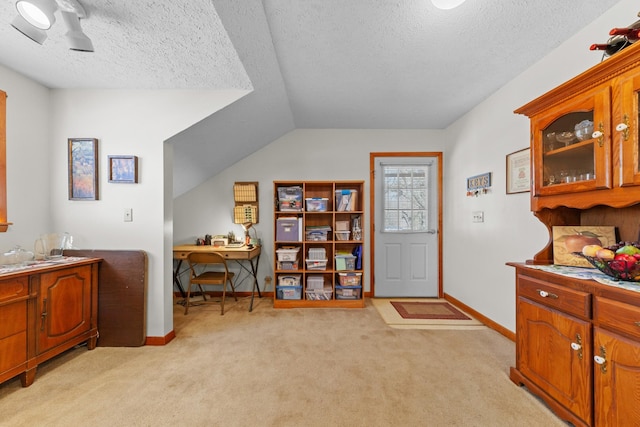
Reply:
x=245, y=197
x=123, y=169
x=519, y=171
x=83, y=168
x=479, y=184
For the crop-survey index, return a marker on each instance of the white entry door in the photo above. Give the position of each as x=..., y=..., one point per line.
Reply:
x=406, y=218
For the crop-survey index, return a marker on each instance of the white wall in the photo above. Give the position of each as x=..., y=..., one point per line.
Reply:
x=28, y=164
x=303, y=154
x=475, y=254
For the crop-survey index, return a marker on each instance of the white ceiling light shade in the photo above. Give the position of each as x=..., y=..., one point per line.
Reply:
x=447, y=4
x=75, y=37
x=35, y=34
x=38, y=13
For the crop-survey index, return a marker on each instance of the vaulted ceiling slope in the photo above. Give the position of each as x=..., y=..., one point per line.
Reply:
x=309, y=63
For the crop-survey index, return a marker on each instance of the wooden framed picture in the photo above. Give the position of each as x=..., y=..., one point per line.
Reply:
x=83, y=168
x=572, y=238
x=123, y=169
x=519, y=171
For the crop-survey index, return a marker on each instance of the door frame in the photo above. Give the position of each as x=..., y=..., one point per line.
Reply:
x=372, y=206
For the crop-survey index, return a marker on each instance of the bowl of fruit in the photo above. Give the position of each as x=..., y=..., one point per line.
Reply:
x=620, y=261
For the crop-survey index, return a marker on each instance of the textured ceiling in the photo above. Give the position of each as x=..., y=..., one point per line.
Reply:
x=308, y=63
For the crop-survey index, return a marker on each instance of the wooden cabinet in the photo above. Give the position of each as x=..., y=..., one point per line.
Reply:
x=583, y=361
x=318, y=235
x=46, y=310
x=578, y=341
x=603, y=168
x=14, y=295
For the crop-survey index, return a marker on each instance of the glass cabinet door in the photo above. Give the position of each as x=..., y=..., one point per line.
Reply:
x=572, y=146
x=626, y=132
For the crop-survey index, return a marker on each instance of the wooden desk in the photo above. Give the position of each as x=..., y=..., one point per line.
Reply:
x=242, y=256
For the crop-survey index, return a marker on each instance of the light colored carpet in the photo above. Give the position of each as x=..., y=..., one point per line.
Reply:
x=281, y=368
x=392, y=318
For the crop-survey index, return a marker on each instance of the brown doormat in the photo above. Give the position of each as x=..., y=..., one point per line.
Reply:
x=428, y=310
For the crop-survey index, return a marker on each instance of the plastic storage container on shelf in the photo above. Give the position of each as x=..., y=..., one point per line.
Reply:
x=289, y=292
x=289, y=280
x=290, y=199
x=349, y=279
x=317, y=204
x=323, y=294
x=348, y=292
x=345, y=262
x=342, y=235
x=317, y=253
x=315, y=281
x=346, y=200
x=288, y=254
x=316, y=235
x=287, y=265
x=317, y=264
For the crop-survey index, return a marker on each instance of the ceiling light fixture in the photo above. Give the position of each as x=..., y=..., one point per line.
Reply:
x=35, y=34
x=35, y=16
x=447, y=4
x=38, y=13
x=75, y=37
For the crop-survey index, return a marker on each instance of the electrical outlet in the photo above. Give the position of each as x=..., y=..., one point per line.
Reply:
x=128, y=215
x=478, y=216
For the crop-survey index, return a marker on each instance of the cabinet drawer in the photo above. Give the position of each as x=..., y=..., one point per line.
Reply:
x=617, y=315
x=13, y=289
x=564, y=299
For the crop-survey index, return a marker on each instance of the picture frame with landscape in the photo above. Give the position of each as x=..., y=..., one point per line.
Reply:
x=123, y=169
x=83, y=168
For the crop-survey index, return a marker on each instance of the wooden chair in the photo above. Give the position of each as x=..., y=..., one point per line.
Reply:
x=221, y=276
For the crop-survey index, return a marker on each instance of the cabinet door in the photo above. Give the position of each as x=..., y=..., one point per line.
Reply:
x=554, y=352
x=65, y=305
x=616, y=380
x=626, y=133
x=13, y=326
x=564, y=162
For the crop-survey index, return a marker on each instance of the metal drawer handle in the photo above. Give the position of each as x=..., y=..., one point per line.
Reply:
x=602, y=359
x=636, y=323
x=545, y=294
x=577, y=346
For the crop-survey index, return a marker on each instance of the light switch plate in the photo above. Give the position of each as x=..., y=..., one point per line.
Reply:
x=128, y=215
x=478, y=216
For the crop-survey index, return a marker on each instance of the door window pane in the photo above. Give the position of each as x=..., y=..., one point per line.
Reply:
x=405, y=189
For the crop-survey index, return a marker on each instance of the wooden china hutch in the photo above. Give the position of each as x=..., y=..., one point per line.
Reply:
x=578, y=341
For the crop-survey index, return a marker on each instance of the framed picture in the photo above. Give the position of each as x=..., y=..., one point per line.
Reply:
x=123, y=169
x=83, y=169
x=519, y=171
x=569, y=238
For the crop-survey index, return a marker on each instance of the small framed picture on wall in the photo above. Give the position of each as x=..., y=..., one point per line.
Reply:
x=123, y=169
x=83, y=168
x=519, y=171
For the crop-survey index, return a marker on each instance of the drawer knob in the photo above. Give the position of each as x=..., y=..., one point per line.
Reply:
x=599, y=360
x=576, y=346
x=545, y=294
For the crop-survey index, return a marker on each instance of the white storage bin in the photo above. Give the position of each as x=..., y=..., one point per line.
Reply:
x=317, y=204
x=315, y=282
x=288, y=254
x=317, y=264
x=289, y=280
x=342, y=235
x=317, y=253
